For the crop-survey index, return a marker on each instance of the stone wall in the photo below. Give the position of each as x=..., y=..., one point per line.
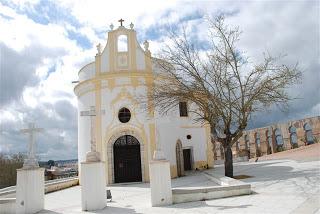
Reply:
x=274, y=138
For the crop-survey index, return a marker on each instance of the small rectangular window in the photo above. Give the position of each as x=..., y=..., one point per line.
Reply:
x=183, y=109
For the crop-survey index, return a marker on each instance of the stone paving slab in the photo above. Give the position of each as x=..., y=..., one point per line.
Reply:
x=280, y=186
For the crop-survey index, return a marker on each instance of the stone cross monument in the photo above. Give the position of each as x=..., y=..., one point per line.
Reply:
x=92, y=155
x=30, y=178
x=31, y=161
x=92, y=176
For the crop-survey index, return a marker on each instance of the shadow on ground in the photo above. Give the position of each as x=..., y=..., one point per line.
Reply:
x=267, y=171
x=190, y=205
x=108, y=210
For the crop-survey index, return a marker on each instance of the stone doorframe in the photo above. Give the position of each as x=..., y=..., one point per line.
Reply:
x=179, y=158
x=110, y=159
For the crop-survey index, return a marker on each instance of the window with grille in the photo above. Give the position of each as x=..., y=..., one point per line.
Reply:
x=124, y=115
x=183, y=109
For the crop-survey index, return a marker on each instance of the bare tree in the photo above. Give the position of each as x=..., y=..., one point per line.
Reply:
x=225, y=88
x=8, y=169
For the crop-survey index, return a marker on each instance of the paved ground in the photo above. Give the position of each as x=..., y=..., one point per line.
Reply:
x=280, y=186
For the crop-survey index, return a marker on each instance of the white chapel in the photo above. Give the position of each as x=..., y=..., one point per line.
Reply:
x=126, y=135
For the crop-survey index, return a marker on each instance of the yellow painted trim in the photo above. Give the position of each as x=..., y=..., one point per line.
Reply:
x=134, y=82
x=98, y=64
x=152, y=130
x=132, y=50
x=111, y=44
x=111, y=83
x=210, y=153
x=191, y=127
x=98, y=118
x=200, y=165
x=173, y=171
x=147, y=60
x=147, y=76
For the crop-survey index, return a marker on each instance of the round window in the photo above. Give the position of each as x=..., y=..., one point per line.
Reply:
x=124, y=115
x=188, y=137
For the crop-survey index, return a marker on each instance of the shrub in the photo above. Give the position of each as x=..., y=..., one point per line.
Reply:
x=280, y=148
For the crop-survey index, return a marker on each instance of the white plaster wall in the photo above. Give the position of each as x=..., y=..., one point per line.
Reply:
x=172, y=127
x=155, y=68
x=7, y=205
x=105, y=60
x=87, y=72
x=141, y=65
x=169, y=128
x=160, y=183
x=30, y=190
x=111, y=103
x=122, y=81
x=93, y=188
x=84, y=125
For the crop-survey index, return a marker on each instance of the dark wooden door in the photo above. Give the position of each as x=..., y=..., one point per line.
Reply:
x=187, y=159
x=127, y=160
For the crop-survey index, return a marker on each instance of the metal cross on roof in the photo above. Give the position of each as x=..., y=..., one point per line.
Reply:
x=121, y=20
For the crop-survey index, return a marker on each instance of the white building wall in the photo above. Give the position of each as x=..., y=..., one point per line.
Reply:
x=172, y=128
x=105, y=60
x=87, y=72
x=141, y=65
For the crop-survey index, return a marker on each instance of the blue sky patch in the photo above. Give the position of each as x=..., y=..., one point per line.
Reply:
x=81, y=40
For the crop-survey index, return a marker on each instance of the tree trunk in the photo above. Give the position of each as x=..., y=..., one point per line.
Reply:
x=228, y=163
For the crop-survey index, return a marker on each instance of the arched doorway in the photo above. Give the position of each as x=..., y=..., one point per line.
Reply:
x=257, y=143
x=279, y=140
x=247, y=144
x=293, y=137
x=127, y=159
x=269, y=141
x=179, y=159
x=308, y=134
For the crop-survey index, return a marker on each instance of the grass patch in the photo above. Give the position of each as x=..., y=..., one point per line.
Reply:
x=239, y=177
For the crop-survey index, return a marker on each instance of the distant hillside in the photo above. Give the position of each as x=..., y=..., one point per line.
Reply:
x=43, y=163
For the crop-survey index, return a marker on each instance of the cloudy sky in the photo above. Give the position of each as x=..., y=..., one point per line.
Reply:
x=43, y=44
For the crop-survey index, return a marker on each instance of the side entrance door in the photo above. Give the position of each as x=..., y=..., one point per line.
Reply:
x=187, y=159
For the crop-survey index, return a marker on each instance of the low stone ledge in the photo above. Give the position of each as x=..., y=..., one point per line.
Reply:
x=208, y=189
x=229, y=187
x=7, y=205
x=222, y=180
x=7, y=200
x=50, y=186
x=61, y=184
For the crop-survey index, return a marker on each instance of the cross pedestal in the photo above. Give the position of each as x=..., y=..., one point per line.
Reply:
x=93, y=186
x=30, y=190
x=160, y=180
